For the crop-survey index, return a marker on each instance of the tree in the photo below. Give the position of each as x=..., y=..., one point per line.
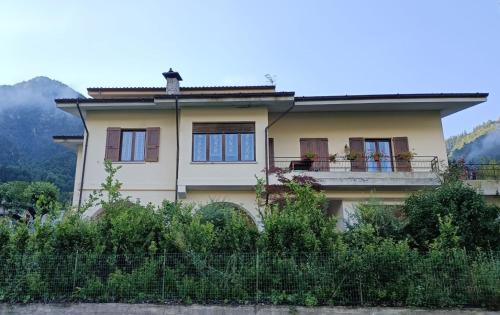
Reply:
x=27, y=200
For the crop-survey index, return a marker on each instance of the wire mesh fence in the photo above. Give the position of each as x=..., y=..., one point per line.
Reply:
x=306, y=279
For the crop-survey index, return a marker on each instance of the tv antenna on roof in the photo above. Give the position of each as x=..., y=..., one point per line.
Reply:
x=271, y=78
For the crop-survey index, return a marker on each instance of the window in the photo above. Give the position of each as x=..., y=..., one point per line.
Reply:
x=378, y=155
x=132, y=145
x=223, y=142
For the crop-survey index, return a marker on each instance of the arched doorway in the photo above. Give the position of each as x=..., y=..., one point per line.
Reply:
x=217, y=211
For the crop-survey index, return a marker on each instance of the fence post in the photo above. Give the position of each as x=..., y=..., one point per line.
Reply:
x=257, y=277
x=163, y=276
x=74, y=270
x=360, y=291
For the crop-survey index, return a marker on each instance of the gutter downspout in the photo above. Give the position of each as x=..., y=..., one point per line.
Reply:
x=84, y=153
x=266, y=134
x=177, y=152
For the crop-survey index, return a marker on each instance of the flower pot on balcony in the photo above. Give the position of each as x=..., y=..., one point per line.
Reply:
x=307, y=163
x=405, y=156
x=352, y=156
x=377, y=156
x=309, y=156
x=301, y=165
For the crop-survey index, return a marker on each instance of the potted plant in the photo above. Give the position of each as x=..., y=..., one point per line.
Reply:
x=333, y=157
x=307, y=161
x=377, y=156
x=406, y=156
x=351, y=156
x=309, y=156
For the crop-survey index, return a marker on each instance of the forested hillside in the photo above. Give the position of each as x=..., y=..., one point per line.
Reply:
x=483, y=143
x=28, y=120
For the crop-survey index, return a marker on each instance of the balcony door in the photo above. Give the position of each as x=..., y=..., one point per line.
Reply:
x=378, y=155
x=318, y=146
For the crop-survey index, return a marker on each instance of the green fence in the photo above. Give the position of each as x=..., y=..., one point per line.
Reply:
x=449, y=280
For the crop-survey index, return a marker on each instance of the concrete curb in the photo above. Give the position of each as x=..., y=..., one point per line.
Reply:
x=158, y=309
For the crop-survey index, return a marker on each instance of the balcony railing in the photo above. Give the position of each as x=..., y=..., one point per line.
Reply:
x=481, y=171
x=360, y=164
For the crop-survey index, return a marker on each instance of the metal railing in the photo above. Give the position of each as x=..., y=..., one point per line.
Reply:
x=481, y=171
x=344, y=278
x=359, y=164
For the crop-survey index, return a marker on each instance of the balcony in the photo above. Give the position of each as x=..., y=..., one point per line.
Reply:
x=483, y=171
x=362, y=172
x=485, y=177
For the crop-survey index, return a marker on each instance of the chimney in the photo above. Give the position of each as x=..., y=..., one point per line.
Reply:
x=173, y=79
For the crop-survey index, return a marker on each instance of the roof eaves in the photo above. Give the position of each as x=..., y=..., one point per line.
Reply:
x=67, y=137
x=104, y=100
x=390, y=96
x=134, y=89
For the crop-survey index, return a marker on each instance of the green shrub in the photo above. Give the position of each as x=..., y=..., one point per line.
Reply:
x=13, y=192
x=185, y=231
x=383, y=219
x=37, y=198
x=43, y=196
x=478, y=223
x=298, y=224
x=235, y=231
x=136, y=253
x=129, y=228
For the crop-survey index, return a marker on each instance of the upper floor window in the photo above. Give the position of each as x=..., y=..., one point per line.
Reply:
x=223, y=142
x=132, y=145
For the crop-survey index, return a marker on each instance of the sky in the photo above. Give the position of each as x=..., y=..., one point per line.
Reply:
x=329, y=47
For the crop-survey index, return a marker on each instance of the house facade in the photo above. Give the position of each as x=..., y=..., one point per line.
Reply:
x=208, y=144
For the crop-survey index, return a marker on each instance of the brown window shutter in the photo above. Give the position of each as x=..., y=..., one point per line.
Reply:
x=357, y=146
x=113, y=139
x=319, y=146
x=323, y=156
x=271, y=153
x=401, y=145
x=243, y=127
x=152, y=144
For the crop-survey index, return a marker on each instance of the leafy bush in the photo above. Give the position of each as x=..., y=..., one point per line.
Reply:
x=36, y=198
x=235, y=231
x=178, y=253
x=477, y=222
x=130, y=228
x=382, y=218
x=298, y=224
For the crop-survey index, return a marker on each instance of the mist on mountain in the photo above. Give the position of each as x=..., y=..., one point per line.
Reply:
x=480, y=145
x=28, y=120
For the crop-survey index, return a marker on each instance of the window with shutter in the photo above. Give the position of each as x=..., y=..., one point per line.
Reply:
x=319, y=147
x=113, y=139
x=153, y=144
x=132, y=145
x=271, y=153
x=378, y=155
x=223, y=142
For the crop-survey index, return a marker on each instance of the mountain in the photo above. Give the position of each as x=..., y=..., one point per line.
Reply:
x=28, y=120
x=480, y=145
